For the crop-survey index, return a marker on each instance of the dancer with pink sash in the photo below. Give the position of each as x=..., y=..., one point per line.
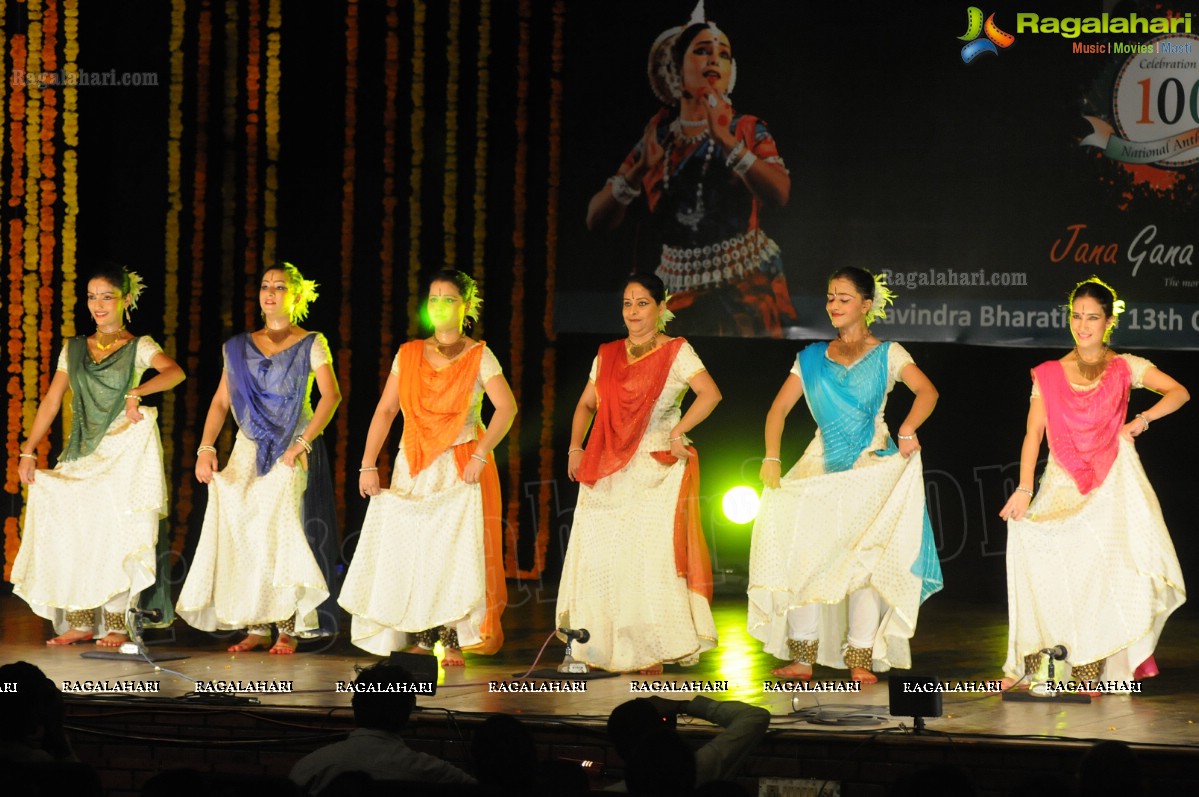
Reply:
x=1090, y=564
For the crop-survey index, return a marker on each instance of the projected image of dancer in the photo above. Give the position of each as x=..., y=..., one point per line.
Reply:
x=429, y=562
x=91, y=535
x=1090, y=565
x=706, y=172
x=268, y=546
x=842, y=553
x=637, y=573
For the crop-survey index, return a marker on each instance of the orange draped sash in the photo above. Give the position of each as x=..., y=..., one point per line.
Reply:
x=626, y=393
x=435, y=402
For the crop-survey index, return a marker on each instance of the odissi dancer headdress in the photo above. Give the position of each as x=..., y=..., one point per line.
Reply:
x=663, y=72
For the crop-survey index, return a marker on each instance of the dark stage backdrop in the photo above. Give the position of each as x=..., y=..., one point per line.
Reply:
x=372, y=142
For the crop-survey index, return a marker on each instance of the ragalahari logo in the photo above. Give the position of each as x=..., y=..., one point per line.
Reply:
x=995, y=39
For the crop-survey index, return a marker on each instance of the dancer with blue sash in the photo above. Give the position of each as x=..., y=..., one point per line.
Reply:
x=269, y=545
x=842, y=554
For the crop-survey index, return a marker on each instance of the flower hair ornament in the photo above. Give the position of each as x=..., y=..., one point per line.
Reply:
x=135, y=285
x=664, y=78
x=666, y=316
x=879, y=300
x=305, y=296
x=305, y=291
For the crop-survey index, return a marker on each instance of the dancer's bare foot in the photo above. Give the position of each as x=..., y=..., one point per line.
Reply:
x=285, y=645
x=653, y=669
x=862, y=675
x=70, y=637
x=452, y=657
x=250, y=642
x=112, y=640
x=796, y=670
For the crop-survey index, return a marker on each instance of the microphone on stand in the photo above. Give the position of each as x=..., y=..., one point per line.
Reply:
x=582, y=635
x=569, y=665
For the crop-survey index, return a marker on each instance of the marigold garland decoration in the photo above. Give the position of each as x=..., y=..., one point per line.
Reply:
x=348, y=166
x=170, y=285
x=29, y=259
x=416, y=135
x=479, y=256
x=191, y=388
x=270, y=216
x=449, y=214
x=250, y=260
x=391, y=80
x=70, y=173
x=39, y=126
x=516, y=324
x=549, y=359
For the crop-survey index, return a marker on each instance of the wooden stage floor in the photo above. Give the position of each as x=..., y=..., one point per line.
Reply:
x=954, y=642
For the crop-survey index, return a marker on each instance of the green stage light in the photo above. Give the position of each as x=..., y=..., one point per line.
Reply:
x=740, y=504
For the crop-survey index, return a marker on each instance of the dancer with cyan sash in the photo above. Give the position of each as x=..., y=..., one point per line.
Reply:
x=269, y=545
x=92, y=540
x=429, y=562
x=842, y=553
x=637, y=574
x=1090, y=564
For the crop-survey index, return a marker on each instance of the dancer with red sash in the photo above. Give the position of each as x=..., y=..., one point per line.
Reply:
x=1090, y=565
x=429, y=561
x=637, y=574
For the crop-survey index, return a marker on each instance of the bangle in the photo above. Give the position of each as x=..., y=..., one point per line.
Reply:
x=307, y=446
x=772, y=459
x=571, y=451
x=23, y=455
x=479, y=458
x=680, y=437
x=734, y=154
x=742, y=166
x=133, y=396
x=622, y=192
x=367, y=470
x=906, y=436
x=1024, y=490
x=1144, y=420
x=202, y=449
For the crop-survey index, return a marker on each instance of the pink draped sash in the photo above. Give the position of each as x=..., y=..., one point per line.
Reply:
x=1084, y=426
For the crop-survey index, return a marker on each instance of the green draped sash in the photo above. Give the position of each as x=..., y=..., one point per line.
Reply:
x=98, y=390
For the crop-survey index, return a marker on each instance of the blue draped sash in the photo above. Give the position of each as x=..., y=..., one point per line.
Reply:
x=844, y=401
x=267, y=393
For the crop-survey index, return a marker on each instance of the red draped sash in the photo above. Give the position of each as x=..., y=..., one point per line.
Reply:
x=626, y=393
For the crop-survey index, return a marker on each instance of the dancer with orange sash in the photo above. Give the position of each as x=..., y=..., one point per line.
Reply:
x=637, y=574
x=429, y=562
x=1090, y=564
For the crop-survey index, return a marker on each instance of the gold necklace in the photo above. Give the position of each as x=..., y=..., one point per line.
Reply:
x=639, y=350
x=1091, y=371
x=449, y=350
x=116, y=333
x=852, y=352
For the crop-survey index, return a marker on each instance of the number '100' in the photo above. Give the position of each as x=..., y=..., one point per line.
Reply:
x=1170, y=87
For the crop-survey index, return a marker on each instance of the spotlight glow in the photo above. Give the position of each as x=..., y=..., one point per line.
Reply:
x=740, y=504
